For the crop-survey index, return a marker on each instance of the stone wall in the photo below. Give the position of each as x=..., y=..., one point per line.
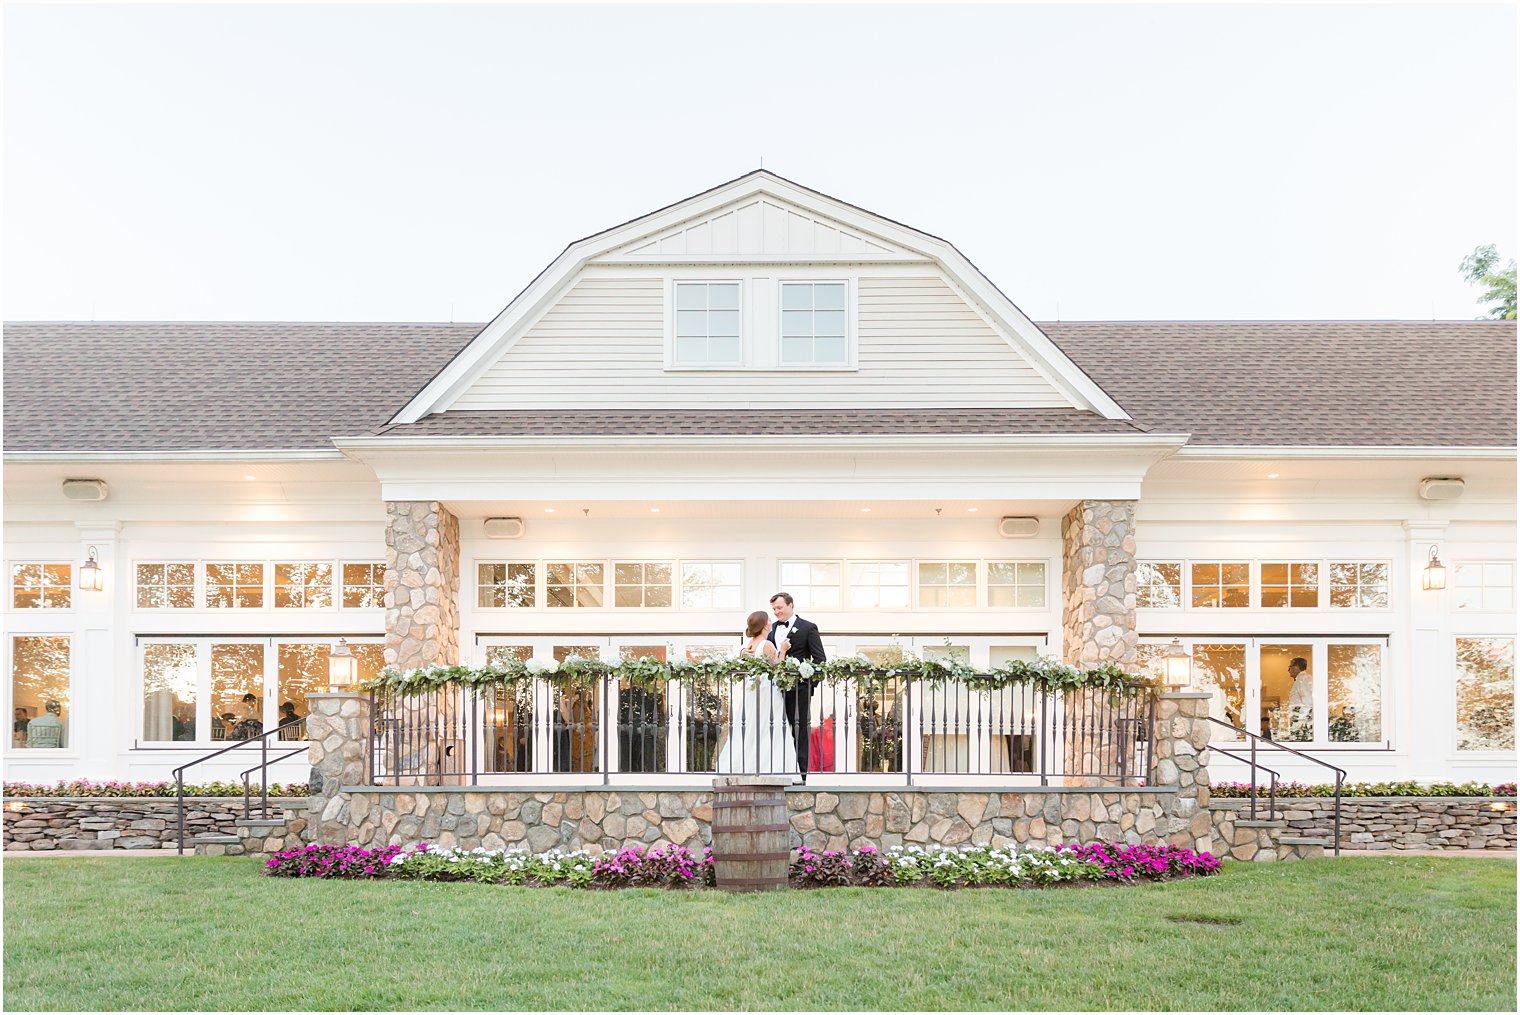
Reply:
x=44, y=823
x=1098, y=584
x=610, y=818
x=421, y=584
x=337, y=725
x=1381, y=823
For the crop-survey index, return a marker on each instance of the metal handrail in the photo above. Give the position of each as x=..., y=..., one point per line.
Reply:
x=1340, y=773
x=179, y=776
x=264, y=781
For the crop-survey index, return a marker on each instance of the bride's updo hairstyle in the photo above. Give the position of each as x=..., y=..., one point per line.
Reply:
x=755, y=625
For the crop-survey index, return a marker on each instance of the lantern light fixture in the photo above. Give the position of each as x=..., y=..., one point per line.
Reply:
x=342, y=667
x=1176, y=666
x=91, y=578
x=1433, y=579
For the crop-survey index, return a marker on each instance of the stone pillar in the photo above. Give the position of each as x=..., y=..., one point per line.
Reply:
x=1182, y=760
x=421, y=584
x=1098, y=584
x=336, y=725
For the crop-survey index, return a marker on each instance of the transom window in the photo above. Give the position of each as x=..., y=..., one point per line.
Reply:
x=42, y=586
x=814, y=584
x=647, y=584
x=1486, y=585
x=363, y=586
x=1016, y=584
x=711, y=584
x=813, y=326
x=707, y=324
x=303, y=585
x=507, y=585
x=947, y=583
x=1222, y=584
x=169, y=585
x=235, y=586
x=1289, y=585
x=1359, y=586
x=1158, y=584
x=879, y=584
x=575, y=585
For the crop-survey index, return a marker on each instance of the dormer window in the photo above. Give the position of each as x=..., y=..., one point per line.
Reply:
x=707, y=324
x=814, y=324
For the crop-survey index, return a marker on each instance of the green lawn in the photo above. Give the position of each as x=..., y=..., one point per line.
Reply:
x=1377, y=933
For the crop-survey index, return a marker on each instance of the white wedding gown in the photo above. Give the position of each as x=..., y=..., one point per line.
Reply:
x=760, y=740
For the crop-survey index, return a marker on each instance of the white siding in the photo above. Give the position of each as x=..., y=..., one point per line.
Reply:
x=757, y=226
x=603, y=346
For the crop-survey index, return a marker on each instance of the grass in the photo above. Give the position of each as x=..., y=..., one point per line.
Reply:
x=214, y=934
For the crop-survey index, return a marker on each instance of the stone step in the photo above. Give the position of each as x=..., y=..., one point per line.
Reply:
x=1288, y=840
x=217, y=845
x=1260, y=824
x=260, y=823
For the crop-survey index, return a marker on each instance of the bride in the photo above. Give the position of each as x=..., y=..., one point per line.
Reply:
x=759, y=739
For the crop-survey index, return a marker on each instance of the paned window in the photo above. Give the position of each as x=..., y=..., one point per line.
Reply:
x=813, y=324
x=711, y=584
x=1359, y=586
x=171, y=677
x=947, y=583
x=1016, y=584
x=878, y=584
x=166, y=586
x=363, y=586
x=1356, y=693
x=575, y=585
x=42, y=586
x=1487, y=585
x=1225, y=585
x=1485, y=694
x=503, y=584
x=1289, y=585
x=235, y=586
x=237, y=690
x=40, y=691
x=707, y=324
x=303, y=585
x=646, y=584
x=813, y=584
x=1158, y=584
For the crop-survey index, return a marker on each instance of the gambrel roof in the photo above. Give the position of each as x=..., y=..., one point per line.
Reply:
x=145, y=387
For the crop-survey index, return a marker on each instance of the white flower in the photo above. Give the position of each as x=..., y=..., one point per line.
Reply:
x=616, y=664
x=806, y=669
x=534, y=665
x=551, y=666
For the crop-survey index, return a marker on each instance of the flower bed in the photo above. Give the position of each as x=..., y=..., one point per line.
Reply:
x=678, y=867
x=86, y=788
x=1358, y=789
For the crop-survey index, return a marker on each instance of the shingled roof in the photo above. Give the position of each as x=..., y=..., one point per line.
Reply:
x=269, y=386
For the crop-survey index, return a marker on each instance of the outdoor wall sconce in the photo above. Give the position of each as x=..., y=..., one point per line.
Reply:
x=342, y=667
x=1176, y=666
x=1433, y=579
x=91, y=579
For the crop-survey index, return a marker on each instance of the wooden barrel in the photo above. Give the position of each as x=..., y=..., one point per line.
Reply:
x=751, y=839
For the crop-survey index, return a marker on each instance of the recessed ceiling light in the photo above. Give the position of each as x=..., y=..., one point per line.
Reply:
x=1273, y=475
x=865, y=509
x=973, y=509
x=548, y=511
x=250, y=477
x=654, y=510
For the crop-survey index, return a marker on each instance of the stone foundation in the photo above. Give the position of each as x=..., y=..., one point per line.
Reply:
x=1378, y=823
x=47, y=823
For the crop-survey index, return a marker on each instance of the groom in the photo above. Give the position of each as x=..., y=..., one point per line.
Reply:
x=803, y=642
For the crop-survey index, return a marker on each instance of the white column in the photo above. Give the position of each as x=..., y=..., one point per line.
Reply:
x=1424, y=682
x=100, y=698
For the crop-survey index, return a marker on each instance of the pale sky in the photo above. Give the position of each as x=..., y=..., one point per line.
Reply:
x=417, y=163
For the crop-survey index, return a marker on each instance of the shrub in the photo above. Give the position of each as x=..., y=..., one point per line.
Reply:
x=1353, y=789
x=830, y=869
x=86, y=788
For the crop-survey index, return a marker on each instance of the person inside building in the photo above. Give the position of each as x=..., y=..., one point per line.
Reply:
x=47, y=730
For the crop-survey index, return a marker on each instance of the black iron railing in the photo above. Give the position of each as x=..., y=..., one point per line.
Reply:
x=617, y=731
x=1249, y=758
x=262, y=740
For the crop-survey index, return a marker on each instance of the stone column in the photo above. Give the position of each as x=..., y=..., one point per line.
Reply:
x=1182, y=760
x=336, y=725
x=421, y=584
x=1098, y=584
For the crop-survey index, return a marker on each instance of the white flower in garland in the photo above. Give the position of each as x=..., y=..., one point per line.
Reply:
x=806, y=669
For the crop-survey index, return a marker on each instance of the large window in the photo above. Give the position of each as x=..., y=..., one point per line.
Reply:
x=814, y=584
x=235, y=586
x=1485, y=694
x=707, y=324
x=42, y=586
x=642, y=584
x=363, y=586
x=168, y=585
x=711, y=585
x=40, y=691
x=1289, y=585
x=1158, y=584
x=1355, y=693
x=813, y=325
x=171, y=680
x=947, y=583
x=1486, y=585
x=572, y=585
x=1359, y=586
x=503, y=584
x=878, y=584
x=303, y=585
x=1223, y=584
x=1016, y=584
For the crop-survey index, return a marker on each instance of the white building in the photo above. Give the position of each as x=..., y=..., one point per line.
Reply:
x=757, y=388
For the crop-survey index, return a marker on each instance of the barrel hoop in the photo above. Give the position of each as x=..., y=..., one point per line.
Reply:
x=741, y=829
x=742, y=857
x=722, y=883
x=765, y=802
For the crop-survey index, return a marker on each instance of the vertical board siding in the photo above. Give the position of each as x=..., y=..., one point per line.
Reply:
x=758, y=227
x=603, y=346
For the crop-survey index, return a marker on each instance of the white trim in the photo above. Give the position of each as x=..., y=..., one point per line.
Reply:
x=746, y=329
x=502, y=331
x=1247, y=452
x=820, y=442
x=62, y=457
x=851, y=325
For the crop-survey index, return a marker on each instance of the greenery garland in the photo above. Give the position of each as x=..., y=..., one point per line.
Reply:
x=654, y=674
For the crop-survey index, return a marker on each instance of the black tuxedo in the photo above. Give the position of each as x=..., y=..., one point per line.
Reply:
x=806, y=643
